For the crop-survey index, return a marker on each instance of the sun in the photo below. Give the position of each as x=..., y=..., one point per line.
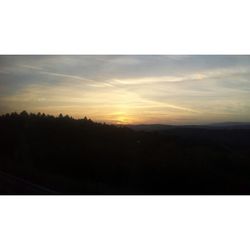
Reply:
x=122, y=117
x=122, y=120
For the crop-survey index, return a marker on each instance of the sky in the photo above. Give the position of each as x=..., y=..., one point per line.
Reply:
x=129, y=89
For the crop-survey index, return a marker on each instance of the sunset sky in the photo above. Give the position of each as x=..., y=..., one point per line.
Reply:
x=129, y=89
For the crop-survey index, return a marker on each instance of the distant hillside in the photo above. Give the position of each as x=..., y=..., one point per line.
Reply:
x=161, y=127
x=231, y=124
x=150, y=127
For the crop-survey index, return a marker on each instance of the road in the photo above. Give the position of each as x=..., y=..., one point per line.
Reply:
x=10, y=184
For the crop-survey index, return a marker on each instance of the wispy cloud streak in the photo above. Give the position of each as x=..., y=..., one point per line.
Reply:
x=136, y=89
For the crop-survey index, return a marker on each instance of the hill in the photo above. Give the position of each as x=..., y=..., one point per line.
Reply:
x=161, y=127
x=43, y=154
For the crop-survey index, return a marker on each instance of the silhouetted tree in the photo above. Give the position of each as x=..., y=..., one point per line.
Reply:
x=24, y=114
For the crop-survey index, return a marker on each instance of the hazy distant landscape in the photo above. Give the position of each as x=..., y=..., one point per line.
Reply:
x=158, y=127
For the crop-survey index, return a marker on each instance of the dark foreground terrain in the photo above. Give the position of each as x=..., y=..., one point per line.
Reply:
x=42, y=154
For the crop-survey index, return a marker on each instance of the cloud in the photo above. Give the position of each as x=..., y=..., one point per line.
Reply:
x=139, y=88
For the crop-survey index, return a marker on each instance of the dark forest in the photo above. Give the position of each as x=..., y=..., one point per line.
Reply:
x=43, y=154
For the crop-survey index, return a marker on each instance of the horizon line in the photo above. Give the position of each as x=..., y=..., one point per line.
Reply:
x=127, y=124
